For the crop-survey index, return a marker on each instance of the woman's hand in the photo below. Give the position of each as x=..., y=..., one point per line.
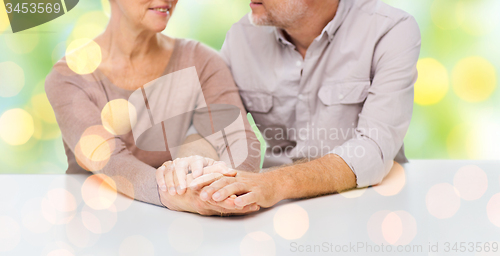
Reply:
x=191, y=202
x=177, y=175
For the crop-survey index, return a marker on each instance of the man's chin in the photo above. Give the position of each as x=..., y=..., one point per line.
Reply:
x=258, y=19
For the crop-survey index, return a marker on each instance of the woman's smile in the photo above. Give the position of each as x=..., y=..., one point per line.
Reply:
x=163, y=10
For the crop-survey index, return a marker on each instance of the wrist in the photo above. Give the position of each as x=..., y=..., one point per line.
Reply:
x=167, y=201
x=276, y=185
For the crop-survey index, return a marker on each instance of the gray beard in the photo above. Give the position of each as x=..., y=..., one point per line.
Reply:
x=292, y=11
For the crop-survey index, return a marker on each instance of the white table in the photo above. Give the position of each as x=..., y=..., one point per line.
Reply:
x=45, y=214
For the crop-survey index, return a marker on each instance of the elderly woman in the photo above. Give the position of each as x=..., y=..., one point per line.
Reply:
x=134, y=53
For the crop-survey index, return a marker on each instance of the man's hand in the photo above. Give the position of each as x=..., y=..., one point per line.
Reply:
x=251, y=188
x=174, y=174
x=325, y=175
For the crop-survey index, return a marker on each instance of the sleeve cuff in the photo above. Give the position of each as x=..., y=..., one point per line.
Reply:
x=365, y=160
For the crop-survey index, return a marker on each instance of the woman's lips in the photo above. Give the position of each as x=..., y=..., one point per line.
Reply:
x=161, y=10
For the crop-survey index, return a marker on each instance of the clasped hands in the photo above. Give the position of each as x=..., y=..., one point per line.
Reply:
x=208, y=187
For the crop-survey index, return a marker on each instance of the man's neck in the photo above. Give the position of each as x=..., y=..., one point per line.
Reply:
x=305, y=30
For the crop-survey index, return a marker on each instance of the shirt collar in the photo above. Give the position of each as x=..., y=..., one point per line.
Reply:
x=330, y=29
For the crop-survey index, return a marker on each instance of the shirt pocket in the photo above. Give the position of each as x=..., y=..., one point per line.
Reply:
x=257, y=102
x=344, y=92
x=340, y=105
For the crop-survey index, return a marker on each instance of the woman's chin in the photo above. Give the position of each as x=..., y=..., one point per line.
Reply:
x=157, y=28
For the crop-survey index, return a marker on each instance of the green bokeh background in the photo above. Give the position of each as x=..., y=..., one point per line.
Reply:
x=452, y=30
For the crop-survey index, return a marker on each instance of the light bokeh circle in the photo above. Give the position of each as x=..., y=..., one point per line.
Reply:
x=353, y=193
x=395, y=228
x=374, y=226
x=89, y=25
x=106, y=7
x=432, y=83
x=4, y=19
x=99, y=191
x=442, y=200
x=99, y=221
x=11, y=79
x=95, y=147
x=43, y=109
x=482, y=141
x=478, y=17
x=392, y=228
x=58, y=248
x=493, y=210
x=409, y=228
x=471, y=182
x=62, y=199
x=136, y=245
x=393, y=183
x=92, y=145
x=83, y=56
x=51, y=211
x=291, y=221
x=119, y=116
x=185, y=234
x=444, y=14
x=78, y=235
x=257, y=243
x=16, y=126
x=474, y=79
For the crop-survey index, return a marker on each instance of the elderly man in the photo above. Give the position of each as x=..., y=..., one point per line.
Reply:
x=327, y=81
x=331, y=80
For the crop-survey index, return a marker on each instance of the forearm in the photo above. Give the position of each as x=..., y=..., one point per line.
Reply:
x=326, y=175
x=133, y=178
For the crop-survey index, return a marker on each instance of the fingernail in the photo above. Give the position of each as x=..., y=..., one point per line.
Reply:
x=163, y=188
x=216, y=195
x=255, y=208
x=171, y=190
x=179, y=190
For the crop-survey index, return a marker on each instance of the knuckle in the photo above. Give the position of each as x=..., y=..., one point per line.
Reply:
x=227, y=180
x=240, y=186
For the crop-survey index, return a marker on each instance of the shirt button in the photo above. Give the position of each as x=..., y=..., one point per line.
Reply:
x=298, y=63
x=341, y=96
x=249, y=104
x=301, y=97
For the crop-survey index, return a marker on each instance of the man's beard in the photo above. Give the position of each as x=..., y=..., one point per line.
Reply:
x=283, y=17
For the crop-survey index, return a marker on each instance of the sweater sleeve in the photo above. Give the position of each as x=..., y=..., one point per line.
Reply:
x=96, y=150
